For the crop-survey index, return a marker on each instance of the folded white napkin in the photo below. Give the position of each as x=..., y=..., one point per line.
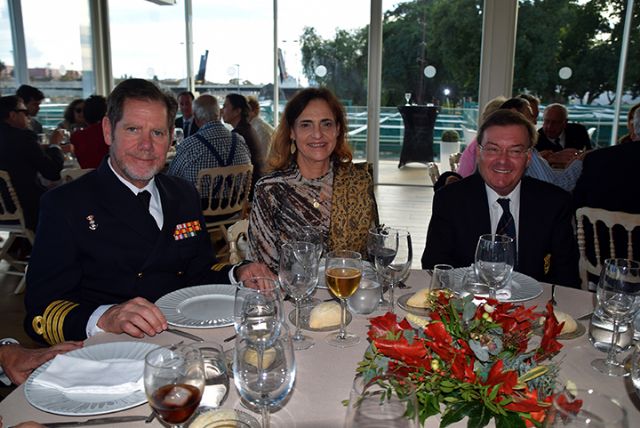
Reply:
x=77, y=375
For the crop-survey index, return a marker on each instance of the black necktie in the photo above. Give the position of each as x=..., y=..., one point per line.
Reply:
x=506, y=224
x=557, y=142
x=145, y=198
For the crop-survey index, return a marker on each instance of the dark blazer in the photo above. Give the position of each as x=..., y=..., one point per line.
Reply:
x=609, y=180
x=23, y=158
x=97, y=245
x=179, y=123
x=576, y=137
x=545, y=237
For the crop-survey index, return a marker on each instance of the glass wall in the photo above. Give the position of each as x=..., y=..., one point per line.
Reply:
x=7, y=81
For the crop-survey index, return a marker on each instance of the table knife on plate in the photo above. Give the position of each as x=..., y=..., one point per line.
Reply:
x=108, y=420
x=185, y=334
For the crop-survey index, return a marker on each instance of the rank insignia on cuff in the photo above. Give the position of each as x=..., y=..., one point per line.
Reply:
x=186, y=230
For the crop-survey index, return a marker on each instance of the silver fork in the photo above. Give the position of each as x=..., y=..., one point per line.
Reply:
x=553, y=295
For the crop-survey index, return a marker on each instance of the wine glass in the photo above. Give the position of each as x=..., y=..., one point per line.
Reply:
x=375, y=246
x=442, y=277
x=343, y=272
x=258, y=311
x=264, y=378
x=407, y=97
x=585, y=408
x=393, y=261
x=387, y=400
x=310, y=234
x=298, y=277
x=494, y=260
x=174, y=380
x=618, y=294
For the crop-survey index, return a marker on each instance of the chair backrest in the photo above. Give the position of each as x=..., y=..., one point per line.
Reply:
x=590, y=131
x=433, y=171
x=10, y=208
x=454, y=161
x=609, y=219
x=70, y=174
x=225, y=189
x=234, y=233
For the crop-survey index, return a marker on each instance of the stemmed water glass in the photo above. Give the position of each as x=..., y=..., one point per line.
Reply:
x=585, y=408
x=494, y=261
x=407, y=97
x=298, y=277
x=174, y=380
x=376, y=246
x=311, y=234
x=264, y=377
x=343, y=272
x=258, y=311
x=393, y=258
x=618, y=295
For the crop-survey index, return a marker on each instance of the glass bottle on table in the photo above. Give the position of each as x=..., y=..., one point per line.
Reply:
x=343, y=272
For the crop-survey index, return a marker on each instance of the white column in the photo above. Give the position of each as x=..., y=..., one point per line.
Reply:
x=21, y=69
x=621, y=70
x=374, y=86
x=101, y=46
x=188, y=27
x=276, y=82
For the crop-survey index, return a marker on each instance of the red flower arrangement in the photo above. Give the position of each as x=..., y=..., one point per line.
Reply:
x=470, y=361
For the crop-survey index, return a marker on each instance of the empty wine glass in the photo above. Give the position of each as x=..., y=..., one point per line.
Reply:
x=407, y=97
x=393, y=261
x=264, y=377
x=618, y=294
x=343, y=272
x=585, y=408
x=494, y=261
x=376, y=246
x=385, y=401
x=299, y=276
x=174, y=380
x=311, y=234
x=442, y=277
x=258, y=311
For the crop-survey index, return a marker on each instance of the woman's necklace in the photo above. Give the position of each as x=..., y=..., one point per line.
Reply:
x=319, y=187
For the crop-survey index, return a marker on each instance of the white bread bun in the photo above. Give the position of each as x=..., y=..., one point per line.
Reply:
x=570, y=324
x=251, y=357
x=326, y=314
x=225, y=418
x=419, y=299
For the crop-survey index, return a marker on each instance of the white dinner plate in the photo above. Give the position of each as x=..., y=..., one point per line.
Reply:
x=366, y=266
x=202, y=306
x=53, y=401
x=523, y=287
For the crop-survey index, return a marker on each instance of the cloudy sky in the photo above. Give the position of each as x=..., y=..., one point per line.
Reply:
x=148, y=40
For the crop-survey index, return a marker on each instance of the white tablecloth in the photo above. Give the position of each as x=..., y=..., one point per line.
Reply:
x=325, y=374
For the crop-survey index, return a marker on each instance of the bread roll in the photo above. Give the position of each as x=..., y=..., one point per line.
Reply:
x=419, y=299
x=325, y=314
x=251, y=357
x=570, y=324
x=225, y=418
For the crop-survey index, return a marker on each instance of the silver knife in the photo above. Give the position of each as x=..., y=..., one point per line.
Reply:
x=185, y=334
x=97, y=421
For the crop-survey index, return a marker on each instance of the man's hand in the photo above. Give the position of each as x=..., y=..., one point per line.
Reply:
x=18, y=362
x=563, y=158
x=136, y=317
x=254, y=270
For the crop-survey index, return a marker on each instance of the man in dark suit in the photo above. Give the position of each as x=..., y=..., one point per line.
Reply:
x=120, y=237
x=540, y=212
x=557, y=134
x=186, y=121
x=609, y=181
x=23, y=158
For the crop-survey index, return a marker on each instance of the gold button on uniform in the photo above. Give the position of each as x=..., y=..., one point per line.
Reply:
x=180, y=273
x=140, y=275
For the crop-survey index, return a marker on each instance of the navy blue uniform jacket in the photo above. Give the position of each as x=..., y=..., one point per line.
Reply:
x=96, y=244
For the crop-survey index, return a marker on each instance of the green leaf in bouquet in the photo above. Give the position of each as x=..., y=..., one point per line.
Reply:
x=509, y=420
x=457, y=412
x=479, y=417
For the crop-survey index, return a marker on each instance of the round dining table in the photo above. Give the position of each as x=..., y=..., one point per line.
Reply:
x=325, y=374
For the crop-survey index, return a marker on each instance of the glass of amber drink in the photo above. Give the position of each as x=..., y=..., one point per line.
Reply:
x=343, y=271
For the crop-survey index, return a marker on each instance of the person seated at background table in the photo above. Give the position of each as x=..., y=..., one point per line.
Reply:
x=557, y=133
x=263, y=129
x=213, y=146
x=17, y=362
x=235, y=112
x=88, y=143
x=609, y=181
x=536, y=214
x=32, y=98
x=186, y=121
x=631, y=136
x=23, y=158
x=116, y=239
x=73, y=116
x=313, y=182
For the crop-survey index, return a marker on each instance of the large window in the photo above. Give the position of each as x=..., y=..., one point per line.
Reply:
x=7, y=81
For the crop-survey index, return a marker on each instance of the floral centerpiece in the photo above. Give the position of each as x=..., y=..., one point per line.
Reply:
x=470, y=361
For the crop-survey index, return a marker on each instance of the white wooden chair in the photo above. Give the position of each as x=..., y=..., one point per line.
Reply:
x=12, y=219
x=609, y=219
x=454, y=161
x=226, y=192
x=237, y=239
x=433, y=171
x=70, y=174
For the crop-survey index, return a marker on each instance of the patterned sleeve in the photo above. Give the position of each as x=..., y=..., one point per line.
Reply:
x=263, y=228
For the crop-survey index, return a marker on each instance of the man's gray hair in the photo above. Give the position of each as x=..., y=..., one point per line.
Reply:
x=636, y=123
x=206, y=108
x=561, y=107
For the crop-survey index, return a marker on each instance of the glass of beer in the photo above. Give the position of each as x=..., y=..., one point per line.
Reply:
x=343, y=271
x=174, y=380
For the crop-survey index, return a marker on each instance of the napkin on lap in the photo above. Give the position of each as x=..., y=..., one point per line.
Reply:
x=77, y=375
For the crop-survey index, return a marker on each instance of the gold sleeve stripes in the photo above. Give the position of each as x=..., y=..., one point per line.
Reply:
x=219, y=266
x=50, y=324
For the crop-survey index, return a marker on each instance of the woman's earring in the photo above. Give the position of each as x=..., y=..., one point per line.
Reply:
x=292, y=148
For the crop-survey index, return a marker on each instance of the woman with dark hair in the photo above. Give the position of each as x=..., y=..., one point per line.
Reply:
x=312, y=182
x=235, y=112
x=73, y=116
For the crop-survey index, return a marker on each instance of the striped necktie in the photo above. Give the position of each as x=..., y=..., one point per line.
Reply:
x=506, y=224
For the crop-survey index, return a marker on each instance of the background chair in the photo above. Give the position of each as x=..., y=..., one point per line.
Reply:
x=12, y=221
x=593, y=253
x=454, y=161
x=225, y=194
x=433, y=171
x=70, y=174
x=237, y=239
